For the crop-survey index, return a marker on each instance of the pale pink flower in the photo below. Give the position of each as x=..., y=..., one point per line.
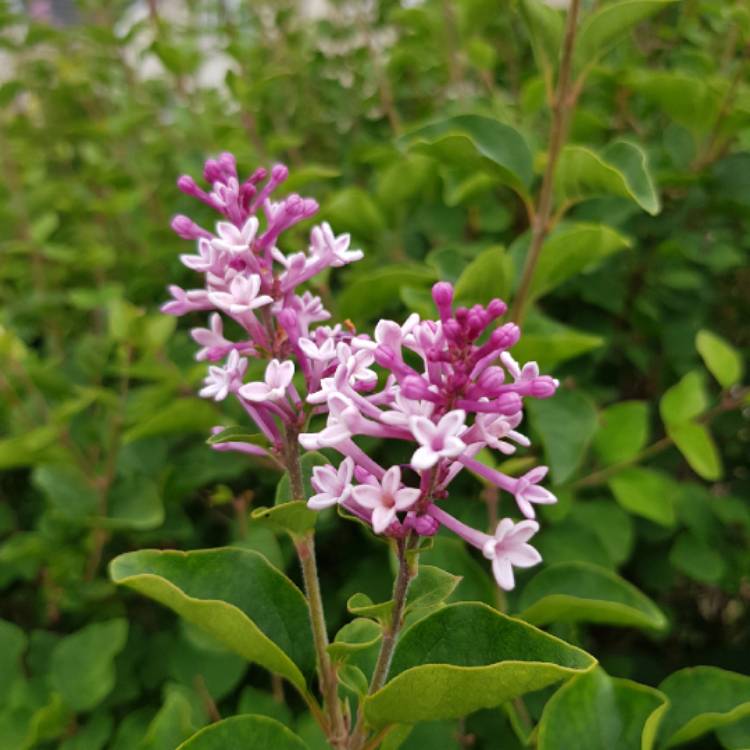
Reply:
x=333, y=485
x=234, y=240
x=215, y=346
x=273, y=388
x=509, y=548
x=528, y=491
x=242, y=296
x=437, y=440
x=220, y=381
x=324, y=244
x=386, y=498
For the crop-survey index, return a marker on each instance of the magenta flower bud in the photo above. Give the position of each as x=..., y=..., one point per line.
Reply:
x=309, y=207
x=508, y=404
x=452, y=330
x=442, y=295
x=188, y=185
x=506, y=336
x=496, y=308
x=386, y=357
x=361, y=474
x=187, y=228
x=491, y=380
x=423, y=525
x=228, y=164
x=415, y=387
x=212, y=171
x=461, y=314
x=544, y=386
x=279, y=173
x=475, y=323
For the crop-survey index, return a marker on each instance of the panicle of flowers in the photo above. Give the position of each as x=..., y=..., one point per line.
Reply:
x=246, y=278
x=450, y=389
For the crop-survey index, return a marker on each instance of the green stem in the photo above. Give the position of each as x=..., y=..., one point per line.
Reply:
x=563, y=105
x=407, y=570
x=305, y=546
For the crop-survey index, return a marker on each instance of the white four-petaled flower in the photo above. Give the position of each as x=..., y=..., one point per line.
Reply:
x=242, y=296
x=221, y=380
x=386, y=498
x=439, y=440
x=275, y=382
x=333, y=485
x=233, y=240
x=509, y=548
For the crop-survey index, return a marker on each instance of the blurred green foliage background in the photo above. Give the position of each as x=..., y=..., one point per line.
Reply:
x=642, y=282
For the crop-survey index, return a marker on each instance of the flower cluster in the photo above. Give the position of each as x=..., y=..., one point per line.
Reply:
x=452, y=389
x=250, y=281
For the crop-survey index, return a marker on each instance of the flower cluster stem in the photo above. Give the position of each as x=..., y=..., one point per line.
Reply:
x=305, y=547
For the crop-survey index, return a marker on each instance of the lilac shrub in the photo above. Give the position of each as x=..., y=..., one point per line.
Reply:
x=447, y=388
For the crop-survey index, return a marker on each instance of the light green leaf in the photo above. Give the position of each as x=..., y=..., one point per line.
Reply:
x=685, y=400
x=361, y=605
x=353, y=210
x=566, y=423
x=236, y=595
x=646, y=492
x=606, y=26
x=697, y=558
x=486, y=277
x=620, y=170
x=238, y=434
x=702, y=699
x=369, y=295
x=721, y=358
x=468, y=656
x=583, y=592
x=609, y=523
x=174, y=722
x=572, y=250
x=361, y=634
x=595, y=711
x=247, y=732
x=183, y=415
x=431, y=587
x=68, y=490
x=82, y=666
x=554, y=348
x=545, y=27
x=468, y=140
x=735, y=736
x=12, y=645
x=623, y=431
x=293, y=517
x=696, y=444
x=134, y=503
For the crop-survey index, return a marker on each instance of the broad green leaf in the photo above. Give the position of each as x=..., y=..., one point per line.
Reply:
x=93, y=735
x=722, y=359
x=255, y=701
x=623, y=431
x=486, y=277
x=236, y=595
x=646, y=492
x=237, y=435
x=176, y=720
x=566, y=423
x=595, y=711
x=609, y=523
x=361, y=634
x=245, y=732
x=369, y=295
x=134, y=503
x=403, y=180
x=582, y=592
x=353, y=210
x=304, y=175
x=545, y=27
x=68, y=490
x=82, y=666
x=293, y=517
x=606, y=26
x=29, y=448
x=468, y=140
x=362, y=606
x=685, y=400
x=572, y=250
x=183, y=415
x=431, y=587
x=620, y=170
x=553, y=348
x=696, y=444
x=468, y=656
x=735, y=736
x=697, y=558
x=702, y=699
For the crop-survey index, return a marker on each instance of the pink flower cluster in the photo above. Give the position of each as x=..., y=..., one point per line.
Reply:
x=450, y=387
x=248, y=279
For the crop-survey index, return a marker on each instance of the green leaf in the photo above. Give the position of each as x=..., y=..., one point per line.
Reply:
x=361, y=634
x=236, y=595
x=431, y=587
x=545, y=27
x=13, y=643
x=477, y=141
x=353, y=210
x=175, y=721
x=369, y=295
x=685, y=400
x=566, y=423
x=620, y=170
x=237, y=434
x=293, y=517
x=572, y=250
x=721, y=358
x=247, y=732
x=486, y=277
x=609, y=523
x=134, y=503
x=702, y=699
x=735, y=736
x=697, y=558
x=646, y=492
x=698, y=447
x=468, y=656
x=181, y=416
x=82, y=666
x=623, y=431
x=606, y=26
x=583, y=592
x=68, y=490
x=595, y=711
x=361, y=605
